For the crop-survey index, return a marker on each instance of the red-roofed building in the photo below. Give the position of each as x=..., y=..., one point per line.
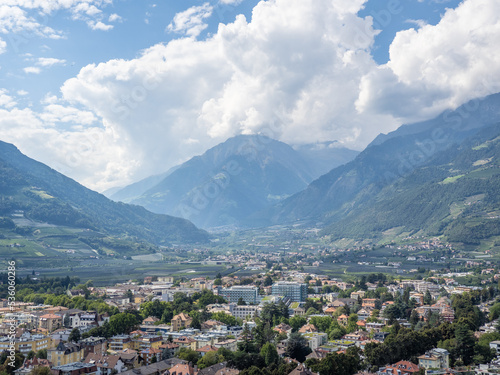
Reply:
x=181, y=369
x=205, y=349
x=399, y=368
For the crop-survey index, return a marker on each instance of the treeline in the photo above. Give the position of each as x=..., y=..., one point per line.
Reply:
x=46, y=286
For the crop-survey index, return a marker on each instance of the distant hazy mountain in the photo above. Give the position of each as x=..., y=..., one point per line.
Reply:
x=385, y=169
x=322, y=157
x=46, y=195
x=135, y=190
x=235, y=179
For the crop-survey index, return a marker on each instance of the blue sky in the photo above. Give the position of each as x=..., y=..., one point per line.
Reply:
x=111, y=91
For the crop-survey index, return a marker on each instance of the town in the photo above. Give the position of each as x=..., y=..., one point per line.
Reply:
x=279, y=321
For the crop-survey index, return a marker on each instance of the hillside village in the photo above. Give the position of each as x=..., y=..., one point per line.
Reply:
x=282, y=322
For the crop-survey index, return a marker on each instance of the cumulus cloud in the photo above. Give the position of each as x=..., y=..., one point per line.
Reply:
x=293, y=73
x=438, y=67
x=300, y=71
x=29, y=18
x=114, y=18
x=6, y=100
x=32, y=70
x=49, y=61
x=191, y=22
x=231, y=2
x=98, y=25
x=3, y=46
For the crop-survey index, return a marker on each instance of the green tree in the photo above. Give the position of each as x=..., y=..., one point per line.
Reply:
x=40, y=370
x=427, y=298
x=189, y=355
x=296, y=322
x=30, y=354
x=122, y=323
x=268, y=281
x=464, y=344
x=297, y=347
x=74, y=335
x=41, y=354
x=209, y=359
x=270, y=354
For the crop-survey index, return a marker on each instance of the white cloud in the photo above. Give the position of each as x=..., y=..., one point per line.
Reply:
x=99, y=26
x=292, y=73
x=438, y=67
x=6, y=100
x=32, y=70
x=191, y=21
x=3, y=46
x=14, y=19
x=49, y=61
x=231, y=2
x=300, y=71
x=114, y=18
x=29, y=18
x=22, y=92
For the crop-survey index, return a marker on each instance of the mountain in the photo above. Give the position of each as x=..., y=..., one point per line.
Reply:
x=456, y=194
x=322, y=157
x=344, y=191
x=135, y=190
x=234, y=179
x=43, y=194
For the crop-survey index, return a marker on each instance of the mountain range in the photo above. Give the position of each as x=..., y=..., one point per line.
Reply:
x=43, y=194
x=439, y=177
x=234, y=179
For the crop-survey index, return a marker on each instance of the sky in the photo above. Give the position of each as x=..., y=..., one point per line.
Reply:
x=112, y=91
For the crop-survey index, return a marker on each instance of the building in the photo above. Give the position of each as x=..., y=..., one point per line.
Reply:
x=94, y=345
x=244, y=311
x=50, y=322
x=435, y=358
x=120, y=342
x=76, y=368
x=26, y=343
x=30, y=364
x=65, y=353
x=106, y=363
x=181, y=369
x=496, y=346
x=296, y=292
x=180, y=321
x=249, y=294
x=399, y=368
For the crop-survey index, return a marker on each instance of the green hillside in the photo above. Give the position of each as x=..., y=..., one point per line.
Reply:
x=31, y=192
x=455, y=194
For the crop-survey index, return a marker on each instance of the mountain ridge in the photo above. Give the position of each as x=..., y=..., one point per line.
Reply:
x=235, y=178
x=45, y=193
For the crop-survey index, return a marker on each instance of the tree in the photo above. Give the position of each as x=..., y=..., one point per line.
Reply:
x=464, y=343
x=296, y=322
x=297, y=347
x=268, y=281
x=189, y=355
x=339, y=364
x=66, y=321
x=427, y=298
x=74, y=335
x=40, y=370
x=30, y=354
x=241, y=302
x=270, y=354
x=209, y=359
x=41, y=354
x=122, y=323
